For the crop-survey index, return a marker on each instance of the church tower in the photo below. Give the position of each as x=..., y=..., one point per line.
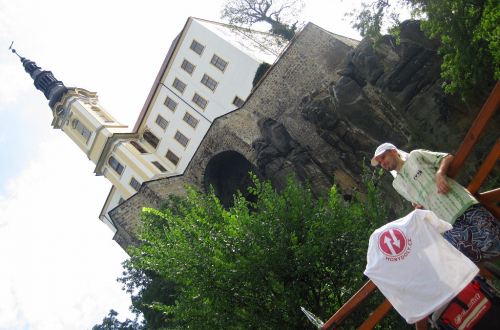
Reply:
x=78, y=113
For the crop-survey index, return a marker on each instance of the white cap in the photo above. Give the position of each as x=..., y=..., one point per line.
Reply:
x=381, y=149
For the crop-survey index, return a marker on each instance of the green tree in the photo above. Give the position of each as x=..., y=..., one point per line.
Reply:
x=280, y=14
x=110, y=322
x=147, y=289
x=469, y=32
x=254, y=265
x=261, y=71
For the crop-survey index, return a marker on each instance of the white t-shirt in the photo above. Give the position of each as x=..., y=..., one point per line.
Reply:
x=415, y=268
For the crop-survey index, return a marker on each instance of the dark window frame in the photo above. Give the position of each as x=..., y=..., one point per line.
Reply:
x=139, y=147
x=173, y=158
x=181, y=138
x=197, y=47
x=135, y=184
x=198, y=98
x=188, y=66
x=218, y=62
x=159, y=166
x=190, y=120
x=179, y=83
x=209, y=82
x=116, y=165
x=162, y=122
x=169, y=102
x=151, y=139
x=236, y=103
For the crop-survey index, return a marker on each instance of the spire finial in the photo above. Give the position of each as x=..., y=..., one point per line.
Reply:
x=45, y=81
x=13, y=50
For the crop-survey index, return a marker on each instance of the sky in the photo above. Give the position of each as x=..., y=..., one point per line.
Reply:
x=58, y=262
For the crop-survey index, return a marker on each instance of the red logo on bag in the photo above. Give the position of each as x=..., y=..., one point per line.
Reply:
x=393, y=243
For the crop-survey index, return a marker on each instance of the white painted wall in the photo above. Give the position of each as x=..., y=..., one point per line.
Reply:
x=235, y=80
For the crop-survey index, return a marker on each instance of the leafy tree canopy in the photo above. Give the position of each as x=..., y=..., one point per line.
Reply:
x=110, y=322
x=469, y=32
x=280, y=14
x=148, y=289
x=254, y=265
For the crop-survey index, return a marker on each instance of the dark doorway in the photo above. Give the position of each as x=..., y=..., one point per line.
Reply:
x=227, y=173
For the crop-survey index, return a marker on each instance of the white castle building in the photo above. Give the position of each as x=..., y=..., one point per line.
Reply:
x=208, y=72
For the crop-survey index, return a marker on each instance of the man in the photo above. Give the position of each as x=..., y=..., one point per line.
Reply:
x=421, y=179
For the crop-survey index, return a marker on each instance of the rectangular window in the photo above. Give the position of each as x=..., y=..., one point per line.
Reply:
x=103, y=116
x=116, y=165
x=193, y=122
x=181, y=138
x=187, y=66
x=121, y=201
x=171, y=104
x=172, y=157
x=219, y=63
x=197, y=47
x=152, y=139
x=209, y=82
x=238, y=102
x=200, y=101
x=179, y=85
x=159, y=166
x=138, y=147
x=162, y=122
x=84, y=131
x=135, y=184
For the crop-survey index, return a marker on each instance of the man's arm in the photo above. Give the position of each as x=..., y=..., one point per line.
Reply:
x=442, y=185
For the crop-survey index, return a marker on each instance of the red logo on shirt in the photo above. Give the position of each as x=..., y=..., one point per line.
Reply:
x=393, y=243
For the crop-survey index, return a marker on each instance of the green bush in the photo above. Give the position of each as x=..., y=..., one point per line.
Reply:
x=254, y=265
x=261, y=70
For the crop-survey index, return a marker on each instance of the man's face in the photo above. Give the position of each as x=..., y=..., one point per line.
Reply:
x=388, y=160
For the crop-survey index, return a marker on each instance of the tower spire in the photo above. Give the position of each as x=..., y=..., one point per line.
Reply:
x=44, y=81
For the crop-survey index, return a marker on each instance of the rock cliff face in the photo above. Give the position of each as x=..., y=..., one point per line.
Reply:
x=319, y=112
x=387, y=93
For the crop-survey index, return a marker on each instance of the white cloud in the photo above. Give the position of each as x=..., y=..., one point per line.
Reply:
x=54, y=252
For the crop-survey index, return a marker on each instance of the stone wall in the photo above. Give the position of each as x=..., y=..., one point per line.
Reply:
x=151, y=194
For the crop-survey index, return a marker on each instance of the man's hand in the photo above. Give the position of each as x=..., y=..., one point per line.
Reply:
x=442, y=185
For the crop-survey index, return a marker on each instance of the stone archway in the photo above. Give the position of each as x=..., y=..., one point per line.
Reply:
x=227, y=172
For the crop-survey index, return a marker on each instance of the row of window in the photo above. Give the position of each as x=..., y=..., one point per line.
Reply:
x=189, y=68
x=197, y=99
x=84, y=131
x=206, y=80
x=118, y=167
x=216, y=61
x=134, y=183
x=153, y=140
x=180, y=86
x=188, y=118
